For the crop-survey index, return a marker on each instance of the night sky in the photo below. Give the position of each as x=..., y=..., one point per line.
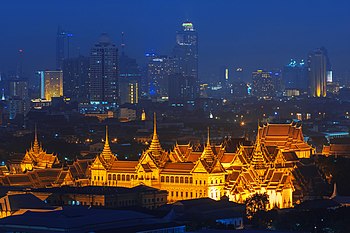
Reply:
x=251, y=34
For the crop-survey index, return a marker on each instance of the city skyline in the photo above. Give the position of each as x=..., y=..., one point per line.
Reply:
x=235, y=36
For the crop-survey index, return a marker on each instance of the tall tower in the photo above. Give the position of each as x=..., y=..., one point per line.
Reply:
x=186, y=54
x=129, y=77
x=317, y=61
x=76, y=78
x=104, y=71
x=60, y=38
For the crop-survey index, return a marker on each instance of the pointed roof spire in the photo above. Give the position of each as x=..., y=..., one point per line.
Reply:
x=335, y=193
x=208, y=152
x=36, y=146
x=155, y=146
x=208, y=138
x=107, y=153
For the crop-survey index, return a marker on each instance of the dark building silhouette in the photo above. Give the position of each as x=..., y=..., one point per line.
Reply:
x=159, y=69
x=186, y=54
x=76, y=78
x=317, y=62
x=104, y=71
x=263, y=84
x=295, y=76
x=129, y=78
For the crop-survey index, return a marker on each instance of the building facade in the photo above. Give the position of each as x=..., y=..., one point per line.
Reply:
x=318, y=73
x=76, y=78
x=51, y=84
x=186, y=55
x=104, y=71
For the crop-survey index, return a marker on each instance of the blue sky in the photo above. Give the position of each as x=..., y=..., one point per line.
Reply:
x=248, y=33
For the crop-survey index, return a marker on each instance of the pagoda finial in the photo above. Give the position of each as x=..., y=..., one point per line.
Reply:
x=107, y=153
x=208, y=137
x=155, y=145
x=36, y=146
x=106, y=141
x=154, y=124
x=335, y=193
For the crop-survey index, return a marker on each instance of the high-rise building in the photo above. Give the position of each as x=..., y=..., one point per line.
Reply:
x=76, y=78
x=295, y=76
x=317, y=61
x=186, y=54
x=104, y=71
x=51, y=84
x=62, y=47
x=129, y=79
x=160, y=68
x=263, y=84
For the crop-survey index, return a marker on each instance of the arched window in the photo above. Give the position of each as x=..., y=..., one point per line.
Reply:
x=118, y=177
x=162, y=179
x=171, y=179
x=167, y=179
x=176, y=179
x=186, y=180
x=109, y=176
x=114, y=177
x=181, y=179
x=132, y=177
x=123, y=177
x=127, y=177
x=191, y=180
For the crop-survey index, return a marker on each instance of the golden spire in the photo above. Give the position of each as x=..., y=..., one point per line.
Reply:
x=36, y=146
x=208, y=153
x=208, y=138
x=155, y=145
x=107, y=153
x=258, y=160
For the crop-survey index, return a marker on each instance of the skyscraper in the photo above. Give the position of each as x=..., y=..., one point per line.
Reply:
x=51, y=84
x=186, y=54
x=129, y=78
x=60, y=38
x=104, y=71
x=160, y=68
x=76, y=78
x=62, y=46
x=295, y=75
x=317, y=62
x=263, y=84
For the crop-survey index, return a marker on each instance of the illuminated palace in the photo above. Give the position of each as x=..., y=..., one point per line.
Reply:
x=35, y=158
x=268, y=166
x=265, y=167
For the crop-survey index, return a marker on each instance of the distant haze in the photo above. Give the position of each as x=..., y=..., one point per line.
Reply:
x=234, y=33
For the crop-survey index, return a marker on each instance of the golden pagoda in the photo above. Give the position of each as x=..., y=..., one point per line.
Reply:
x=37, y=158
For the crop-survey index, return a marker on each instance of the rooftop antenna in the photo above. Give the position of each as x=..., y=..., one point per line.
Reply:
x=123, y=44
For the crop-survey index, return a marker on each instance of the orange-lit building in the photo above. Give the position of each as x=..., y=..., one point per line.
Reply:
x=268, y=166
x=35, y=158
x=184, y=176
x=51, y=84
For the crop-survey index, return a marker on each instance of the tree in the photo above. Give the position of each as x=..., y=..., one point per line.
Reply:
x=255, y=203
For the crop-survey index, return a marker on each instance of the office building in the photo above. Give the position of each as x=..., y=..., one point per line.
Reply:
x=159, y=69
x=76, y=78
x=263, y=84
x=186, y=55
x=51, y=84
x=317, y=61
x=104, y=71
x=129, y=80
x=295, y=76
